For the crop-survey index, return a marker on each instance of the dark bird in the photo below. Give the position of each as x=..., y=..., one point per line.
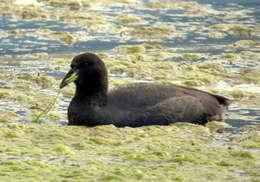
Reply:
x=134, y=105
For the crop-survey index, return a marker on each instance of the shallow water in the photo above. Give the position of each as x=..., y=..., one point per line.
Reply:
x=37, y=43
x=105, y=39
x=192, y=37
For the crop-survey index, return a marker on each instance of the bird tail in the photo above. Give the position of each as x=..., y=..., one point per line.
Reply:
x=223, y=100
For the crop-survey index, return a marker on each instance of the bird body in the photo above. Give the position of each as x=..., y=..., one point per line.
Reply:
x=135, y=105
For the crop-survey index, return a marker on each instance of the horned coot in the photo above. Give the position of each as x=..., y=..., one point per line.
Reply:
x=134, y=105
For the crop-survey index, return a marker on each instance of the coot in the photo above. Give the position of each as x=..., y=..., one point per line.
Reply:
x=134, y=105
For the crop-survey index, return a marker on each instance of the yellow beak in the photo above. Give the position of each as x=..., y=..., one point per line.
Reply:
x=71, y=76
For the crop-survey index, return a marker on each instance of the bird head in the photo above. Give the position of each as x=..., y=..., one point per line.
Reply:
x=86, y=70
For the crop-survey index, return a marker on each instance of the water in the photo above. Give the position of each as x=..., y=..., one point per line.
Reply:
x=192, y=38
x=30, y=43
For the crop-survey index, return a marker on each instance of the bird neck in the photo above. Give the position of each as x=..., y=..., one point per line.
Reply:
x=91, y=94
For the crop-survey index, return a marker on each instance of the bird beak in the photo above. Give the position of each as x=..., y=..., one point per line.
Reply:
x=71, y=76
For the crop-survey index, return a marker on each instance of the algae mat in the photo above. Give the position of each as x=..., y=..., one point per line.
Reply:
x=180, y=152
x=214, y=47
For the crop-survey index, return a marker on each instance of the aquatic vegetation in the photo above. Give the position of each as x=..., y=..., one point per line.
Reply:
x=173, y=5
x=247, y=43
x=151, y=153
x=46, y=111
x=193, y=83
x=241, y=30
x=9, y=8
x=216, y=35
x=16, y=32
x=68, y=92
x=153, y=32
x=42, y=81
x=130, y=49
x=116, y=82
x=4, y=93
x=250, y=74
x=215, y=126
x=40, y=151
x=249, y=53
x=14, y=95
x=192, y=8
x=33, y=12
x=249, y=139
x=129, y=19
x=7, y=116
x=220, y=26
x=72, y=4
x=143, y=69
x=85, y=19
x=64, y=37
x=190, y=56
x=236, y=29
x=55, y=116
x=230, y=56
x=238, y=94
x=153, y=46
x=41, y=55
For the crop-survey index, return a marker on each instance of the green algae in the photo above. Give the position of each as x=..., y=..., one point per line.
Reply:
x=118, y=82
x=190, y=56
x=54, y=116
x=42, y=81
x=7, y=116
x=131, y=49
x=16, y=32
x=241, y=30
x=173, y=4
x=238, y=94
x=41, y=55
x=249, y=54
x=17, y=96
x=175, y=153
x=64, y=37
x=72, y=4
x=143, y=61
x=108, y=153
x=247, y=43
x=45, y=111
x=129, y=19
x=220, y=26
x=4, y=93
x=153, y=46
x=193, y=83
x=153, y=32
x=68, y=92
x=236, y=29
x=230, y=56
x=216, y=126
x=241, y=94
x=62, y=149
x=250, y=74
x=193, y=74
x=216, y=35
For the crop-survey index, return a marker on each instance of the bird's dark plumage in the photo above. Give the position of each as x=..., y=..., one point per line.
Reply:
x=137, y=104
